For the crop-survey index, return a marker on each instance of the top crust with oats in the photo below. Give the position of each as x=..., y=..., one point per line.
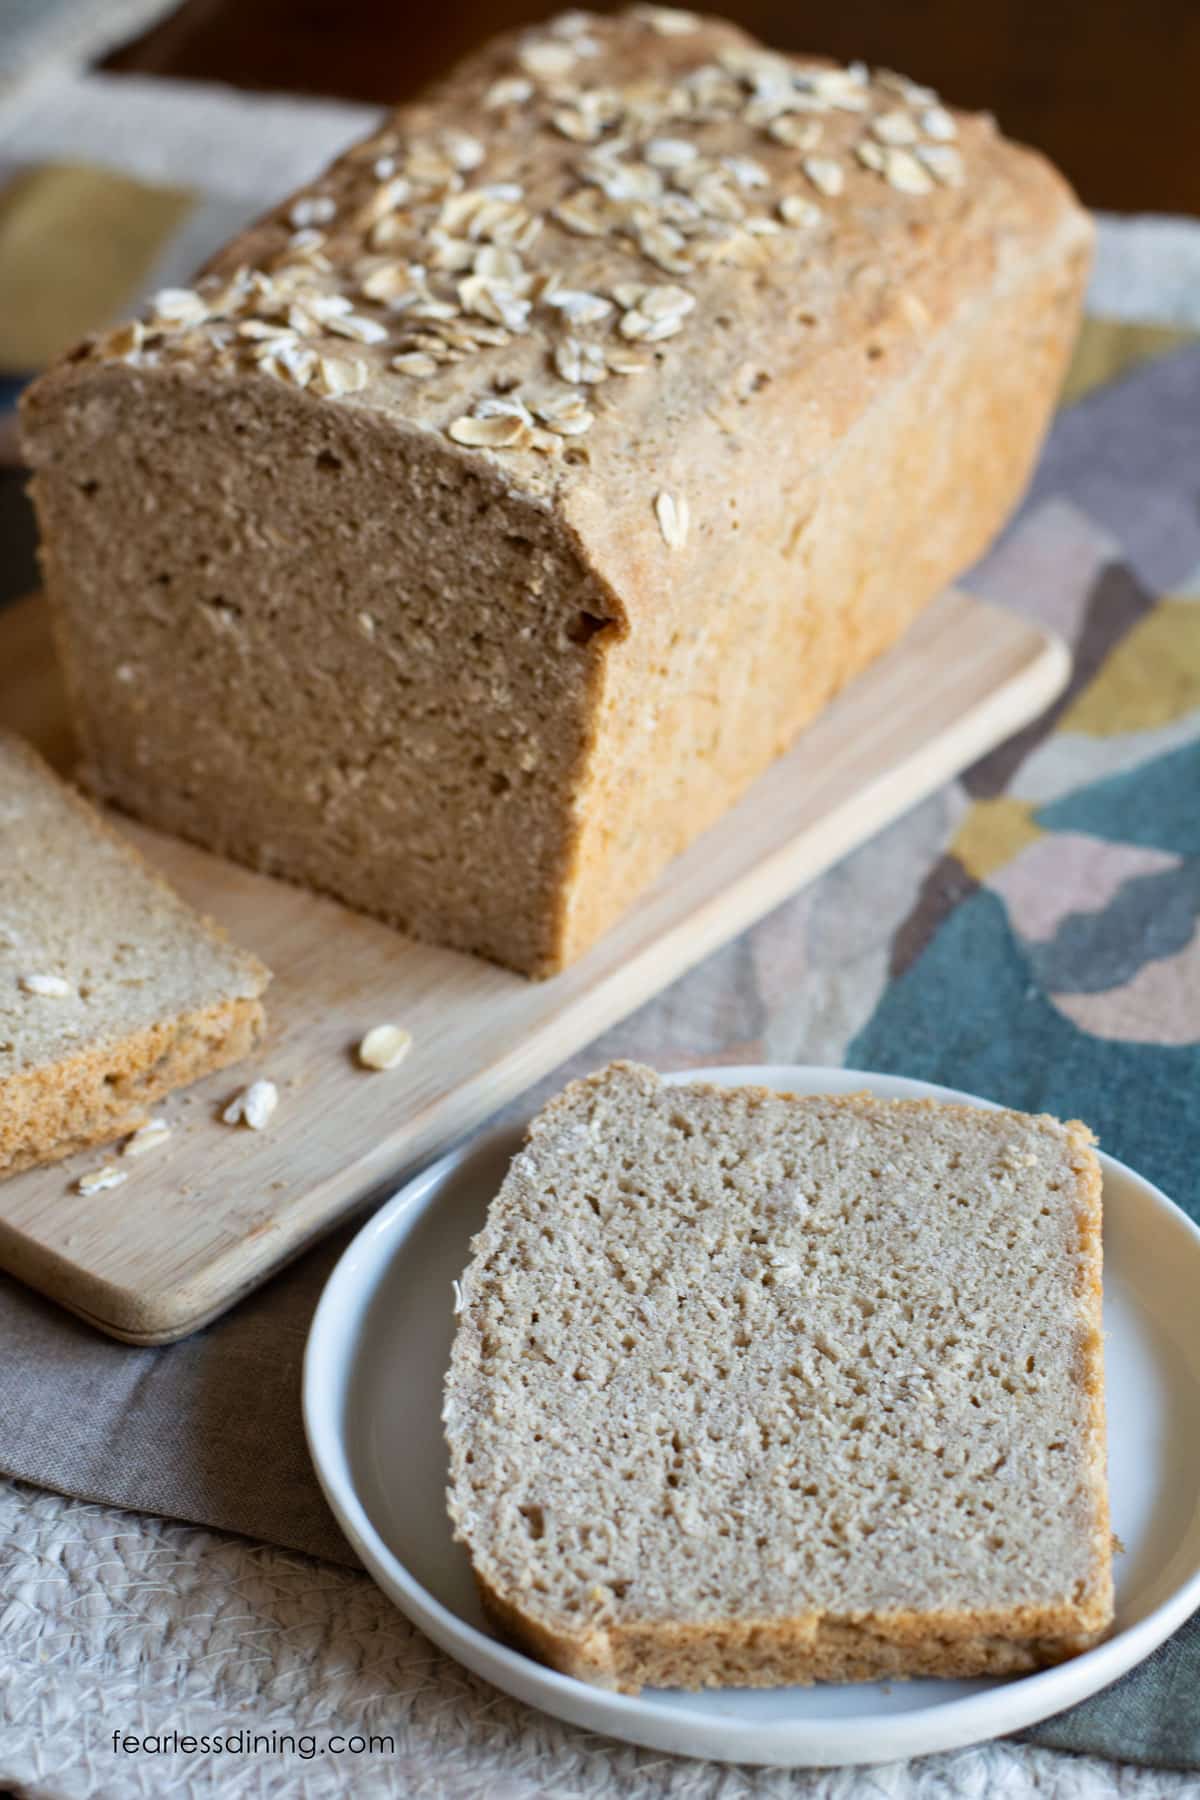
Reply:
x=489, y=515
x=112, y=991
x=750, y=1389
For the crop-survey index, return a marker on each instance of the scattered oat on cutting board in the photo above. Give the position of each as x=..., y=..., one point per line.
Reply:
x=113, y=992
x=754, y=1389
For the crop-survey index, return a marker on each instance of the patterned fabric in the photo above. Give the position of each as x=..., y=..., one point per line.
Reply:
x=1051, y=958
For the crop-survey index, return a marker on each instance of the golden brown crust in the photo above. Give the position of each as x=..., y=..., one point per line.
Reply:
x=50, y=1112
x=884, y=274
x=1098, y=1606
x=910, y=496
x=815, y=1647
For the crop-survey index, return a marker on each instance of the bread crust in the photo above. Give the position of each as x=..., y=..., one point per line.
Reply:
x=103, y=1093
x=896, y=1646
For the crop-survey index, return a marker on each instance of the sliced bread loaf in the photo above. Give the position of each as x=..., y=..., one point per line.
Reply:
x=752, y=1389
x=112, y=990
x=511, y=496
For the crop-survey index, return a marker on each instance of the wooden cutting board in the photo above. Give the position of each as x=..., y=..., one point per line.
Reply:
x=210, y=1215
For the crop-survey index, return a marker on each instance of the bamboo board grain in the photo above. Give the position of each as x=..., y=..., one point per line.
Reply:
x=209, y=1216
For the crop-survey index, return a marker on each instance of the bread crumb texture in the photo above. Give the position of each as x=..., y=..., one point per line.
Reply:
x=754, y=1389
x=135, y=994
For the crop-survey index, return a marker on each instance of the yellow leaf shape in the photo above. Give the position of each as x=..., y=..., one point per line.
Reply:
x=1152, y=677
x=76, y=245
x=993, y=832
x=1107, y=348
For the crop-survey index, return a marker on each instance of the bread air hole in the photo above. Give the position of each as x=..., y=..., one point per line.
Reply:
x=584, y=627
x=535, y=1520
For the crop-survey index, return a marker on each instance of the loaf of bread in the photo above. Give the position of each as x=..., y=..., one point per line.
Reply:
x=749, y=1389
x=489, y=515
x=112, y=991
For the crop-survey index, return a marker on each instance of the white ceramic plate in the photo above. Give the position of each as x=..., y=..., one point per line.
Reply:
x=373, y=1371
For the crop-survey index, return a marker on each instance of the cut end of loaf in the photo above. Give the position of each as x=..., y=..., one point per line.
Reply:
x=423, y=763
x=751, y=1389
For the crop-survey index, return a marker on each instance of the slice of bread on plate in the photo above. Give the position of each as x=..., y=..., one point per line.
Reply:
x=754, y=1389
x=113, y=992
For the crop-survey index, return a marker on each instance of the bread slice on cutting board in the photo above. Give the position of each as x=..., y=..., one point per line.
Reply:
x=113, y=992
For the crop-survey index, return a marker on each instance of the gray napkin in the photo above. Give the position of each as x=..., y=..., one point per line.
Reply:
x=207, y=1430
x=1152, y=1715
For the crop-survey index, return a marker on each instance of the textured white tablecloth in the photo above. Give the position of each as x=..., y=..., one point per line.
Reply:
x=113, y=1622
x=116, y=1622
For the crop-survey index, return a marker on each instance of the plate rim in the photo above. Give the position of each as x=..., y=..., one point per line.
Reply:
x=942, y=1725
